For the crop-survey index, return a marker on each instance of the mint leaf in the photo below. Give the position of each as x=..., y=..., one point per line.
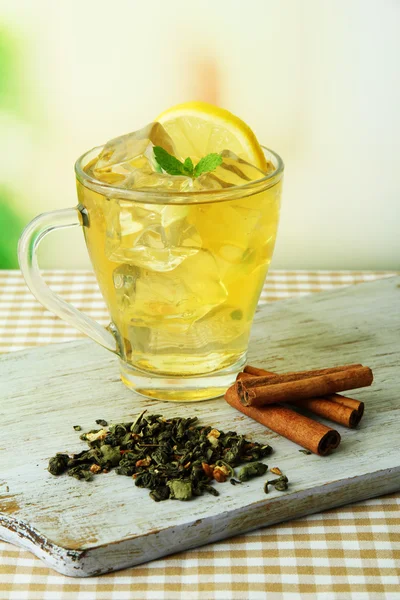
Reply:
x=188, y=165
x=169, y=163
x=207, y=163
x=237, y=315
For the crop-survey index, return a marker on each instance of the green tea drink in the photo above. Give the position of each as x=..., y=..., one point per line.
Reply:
x=182, y=266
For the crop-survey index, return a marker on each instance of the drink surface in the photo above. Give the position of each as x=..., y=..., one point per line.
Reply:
x=181, y=281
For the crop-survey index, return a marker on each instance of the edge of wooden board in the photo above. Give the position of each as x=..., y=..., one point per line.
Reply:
x=97, y=560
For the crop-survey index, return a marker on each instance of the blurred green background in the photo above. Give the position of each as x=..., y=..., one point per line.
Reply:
x=11, y=107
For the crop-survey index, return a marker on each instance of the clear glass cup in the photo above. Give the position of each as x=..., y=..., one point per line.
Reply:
x=181, y=274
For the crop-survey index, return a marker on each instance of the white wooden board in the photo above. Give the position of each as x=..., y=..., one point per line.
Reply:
x=83, y=529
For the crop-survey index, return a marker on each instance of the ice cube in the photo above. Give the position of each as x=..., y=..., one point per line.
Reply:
x=140, y=178
x=231, y=224
x=118, y=153
x=156, y=237
x=128, y=162
x=233, y=171
x=225, y=323
x=174, y=299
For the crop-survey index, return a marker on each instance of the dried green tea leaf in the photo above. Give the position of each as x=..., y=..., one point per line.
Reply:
x=58, y=464
x=80, y=473
x=160, y=493
x=171, y=457
x=281, y=486
x=181, y=489
x=252, y=470
x=110, y=455
x=135, y=427
x=227, y=467
x=211, y=490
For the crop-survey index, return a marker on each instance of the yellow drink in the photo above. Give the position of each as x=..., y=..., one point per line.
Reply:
x=180, y=220
x=181, y=252
x=182, y=282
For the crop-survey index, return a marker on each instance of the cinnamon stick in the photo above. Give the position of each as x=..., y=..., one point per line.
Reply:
x=291, y=387
x=301, y=430
x=334, y=407
x=333, y=411
x=258, y=372
x=345, y=401
x=299, y=375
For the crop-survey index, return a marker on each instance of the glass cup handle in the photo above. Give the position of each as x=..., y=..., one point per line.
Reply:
x=27, y=256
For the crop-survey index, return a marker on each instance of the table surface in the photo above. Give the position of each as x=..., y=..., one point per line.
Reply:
x=350, y=552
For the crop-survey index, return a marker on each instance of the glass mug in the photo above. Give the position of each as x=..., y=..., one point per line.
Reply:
x=181, y=274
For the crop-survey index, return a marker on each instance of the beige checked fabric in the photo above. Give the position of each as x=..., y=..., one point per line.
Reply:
x=351, y=553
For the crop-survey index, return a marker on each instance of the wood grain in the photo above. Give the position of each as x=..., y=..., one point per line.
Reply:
x=83, y=529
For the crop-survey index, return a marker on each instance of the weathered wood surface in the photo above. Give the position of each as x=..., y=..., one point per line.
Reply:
x=83, y=529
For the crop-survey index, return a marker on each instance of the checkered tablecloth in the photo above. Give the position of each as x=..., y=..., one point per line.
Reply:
x=349, y=553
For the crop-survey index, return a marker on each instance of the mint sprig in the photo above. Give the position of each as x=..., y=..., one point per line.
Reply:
x=207, y=163
x=171, y=165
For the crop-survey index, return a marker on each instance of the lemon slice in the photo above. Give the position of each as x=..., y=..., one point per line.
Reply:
x=198, y=128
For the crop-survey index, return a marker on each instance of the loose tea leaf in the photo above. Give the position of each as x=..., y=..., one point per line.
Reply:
x=110, y=455
x=101, y=422
x=282, y=478
x=77, y=428
x=276, y=471
x=225, y=468
x=181, y=489
x=280, y=484
x=58, y=464
x=252, y=470
x=174, y=458
x=80, y=473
